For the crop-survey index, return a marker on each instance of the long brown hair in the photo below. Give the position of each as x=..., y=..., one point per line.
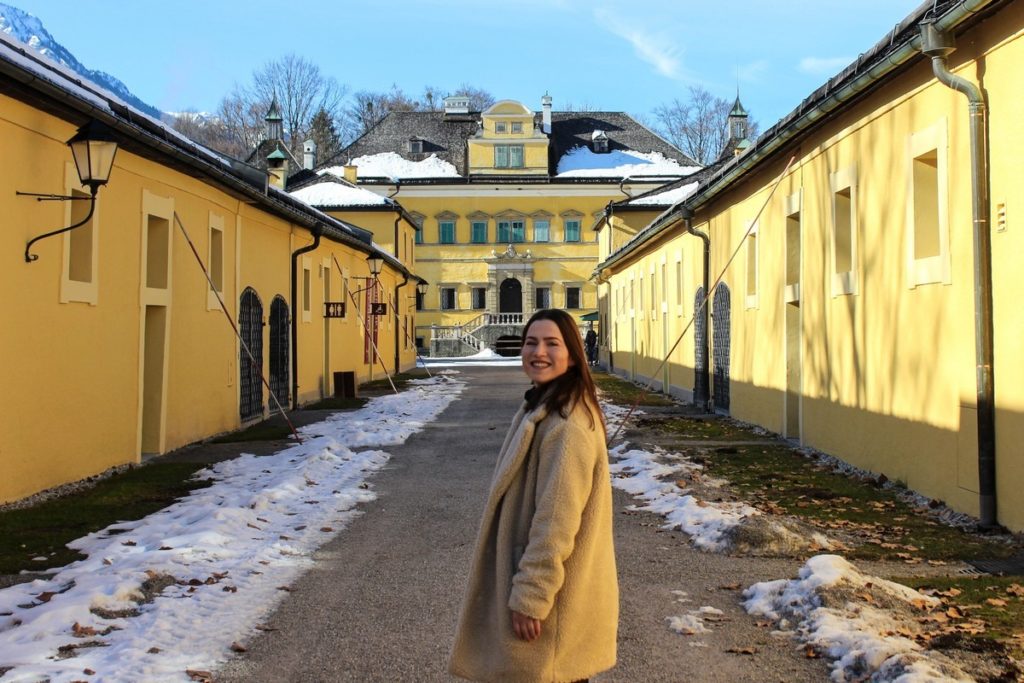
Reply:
x=575, y=385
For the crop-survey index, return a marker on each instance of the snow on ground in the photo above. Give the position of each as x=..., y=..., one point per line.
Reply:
x=826, y=607
x=392, y=165
x=486, y=357
x=692, y=623
x=331, y=194
x=580, y=162
x=223, y=556
x=642, y=474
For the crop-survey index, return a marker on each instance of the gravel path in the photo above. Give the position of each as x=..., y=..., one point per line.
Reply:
x=382, y=601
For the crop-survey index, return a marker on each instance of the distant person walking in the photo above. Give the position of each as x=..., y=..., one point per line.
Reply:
x=542, y=603
x=590, y=341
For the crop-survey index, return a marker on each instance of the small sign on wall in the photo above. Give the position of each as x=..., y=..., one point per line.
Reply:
x=378, y=309
x=334, y=309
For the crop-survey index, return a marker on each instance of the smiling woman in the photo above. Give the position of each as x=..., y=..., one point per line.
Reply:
x=542, y=602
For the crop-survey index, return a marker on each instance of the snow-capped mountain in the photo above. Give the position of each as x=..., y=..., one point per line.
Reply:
x=29, y=30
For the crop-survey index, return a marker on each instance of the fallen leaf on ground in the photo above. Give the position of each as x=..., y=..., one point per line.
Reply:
x=238, y=647
x=201, y=676
x=742, y=650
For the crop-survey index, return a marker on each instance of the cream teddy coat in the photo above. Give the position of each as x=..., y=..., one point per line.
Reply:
x=544, y=549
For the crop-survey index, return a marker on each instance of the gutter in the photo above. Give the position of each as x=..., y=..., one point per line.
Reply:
x=937, y=44
x=294, y=313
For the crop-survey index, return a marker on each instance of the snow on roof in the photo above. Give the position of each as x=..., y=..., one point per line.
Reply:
x=392, y=165
x=581, y=162
x=673, y=196
x=338, y=194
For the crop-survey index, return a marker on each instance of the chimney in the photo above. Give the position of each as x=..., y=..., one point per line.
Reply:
x=545, y=103
x=308, y=155
x=351, y=173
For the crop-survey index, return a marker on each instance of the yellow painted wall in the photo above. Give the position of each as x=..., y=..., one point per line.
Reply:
x=84, y=391
x=887, y=364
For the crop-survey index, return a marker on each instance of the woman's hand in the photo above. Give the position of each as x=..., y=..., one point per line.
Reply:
x=526, y=628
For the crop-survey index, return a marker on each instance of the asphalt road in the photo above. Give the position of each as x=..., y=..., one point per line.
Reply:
x=382, y=601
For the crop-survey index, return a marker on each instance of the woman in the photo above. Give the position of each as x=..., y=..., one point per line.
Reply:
x=542, y=603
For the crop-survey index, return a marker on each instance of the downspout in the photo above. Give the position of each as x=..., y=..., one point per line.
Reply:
x=316, y=230
x=938, y=44
x=703, y=397
x=398, y=325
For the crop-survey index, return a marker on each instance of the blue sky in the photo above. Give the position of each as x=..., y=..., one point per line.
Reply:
x=610, y=54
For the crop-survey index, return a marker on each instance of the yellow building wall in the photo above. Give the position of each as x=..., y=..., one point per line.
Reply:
x=535, y=156
x=886, y=365
x=142, y=360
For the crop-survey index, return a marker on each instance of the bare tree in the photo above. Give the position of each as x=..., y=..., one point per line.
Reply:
x=699, y=125
x=206, y=130
x=479, y=99
x=368, y=108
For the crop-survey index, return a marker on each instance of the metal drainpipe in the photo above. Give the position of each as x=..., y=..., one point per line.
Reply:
x=398, y=325
x=295, y=302
x=938, y=45
x=687, y=215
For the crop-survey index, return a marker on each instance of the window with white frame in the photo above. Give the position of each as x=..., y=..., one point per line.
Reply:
x=508, y=156
x=307, y=290
x=215, y=260
x=511, y=231
x=572, y=230
x=517, y=126
x=500, y=127
x=750, y=284
x=572, y=297
x=928, y=257
x=79, y=278
x=541, y=231
x=446, y=232
x=479, y=232
x=679, y=284
x=479, y=298
x=843, y=185
x=447, y=298
x=543, y=297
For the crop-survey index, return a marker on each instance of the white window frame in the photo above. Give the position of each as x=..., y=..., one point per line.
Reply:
x=793, y=205
x=547, y=230
x=579, y=297
x=752, y=250
x=214, y=265
x=307, y=289
x=844, y=282
x=933, y=269
x=537, y=303
x=78, y=290
x=440, y=298
x=516, y=127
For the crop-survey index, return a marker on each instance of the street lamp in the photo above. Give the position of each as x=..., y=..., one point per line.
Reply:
x=421, y=288
x=93, y=148
x=376, y=263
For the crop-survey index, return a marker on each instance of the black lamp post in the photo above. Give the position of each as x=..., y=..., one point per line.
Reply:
x=376, y=263
x=93, y=148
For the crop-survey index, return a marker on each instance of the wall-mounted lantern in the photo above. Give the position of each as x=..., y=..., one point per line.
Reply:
x=376, y=263
x=93, y=148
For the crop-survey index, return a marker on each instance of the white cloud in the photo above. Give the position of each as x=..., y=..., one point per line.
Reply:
x=658, y=50
x=823, y=66
x=752, y=72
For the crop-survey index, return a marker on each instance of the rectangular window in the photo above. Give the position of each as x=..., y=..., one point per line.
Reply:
x=446, y=231
x=928, y=257
x=500, y=127
x=157, y=251
x=679, y=286
x=419, y=301
x=216, y=258
x=572, y=297
x=926, y=205
x=543, y=297
x=306, y=295
x=844, y=231
x=80, y=240
x=479, y=298
x=572, y=231
x=508, y=156
x=750, y=288
x=418, y=239
x=447, y=298
x=479, y=230
x=541, y=231
x=511, y=231
x=517, y=126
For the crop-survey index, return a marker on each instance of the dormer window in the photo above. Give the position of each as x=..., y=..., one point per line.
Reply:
x=600, y=141
x=517, y=126
x=500, y=127
x=415, y=146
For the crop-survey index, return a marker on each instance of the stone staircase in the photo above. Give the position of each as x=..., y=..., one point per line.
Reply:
x=474, y=335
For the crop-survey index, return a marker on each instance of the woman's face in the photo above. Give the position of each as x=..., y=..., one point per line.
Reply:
x=545, y=355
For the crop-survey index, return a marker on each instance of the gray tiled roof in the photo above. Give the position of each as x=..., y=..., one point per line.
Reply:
x=447, y=137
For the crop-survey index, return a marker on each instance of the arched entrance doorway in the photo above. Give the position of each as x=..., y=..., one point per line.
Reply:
x=510, y=296
x=509, y=345
x=721, y=312
x=250, y=327
x=279, y=349
x=700, y=350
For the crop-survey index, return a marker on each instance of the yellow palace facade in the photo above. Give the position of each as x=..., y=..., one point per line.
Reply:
x=867, y=249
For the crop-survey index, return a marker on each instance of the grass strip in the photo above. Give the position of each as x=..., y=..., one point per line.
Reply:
x=623, y=393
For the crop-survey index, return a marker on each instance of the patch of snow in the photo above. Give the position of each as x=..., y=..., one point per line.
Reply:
x=582, y=162
x=641, y=474
x=338, y=194
x=393, y=165
x=221, y=554
x=864, y=642
x=692, y=623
